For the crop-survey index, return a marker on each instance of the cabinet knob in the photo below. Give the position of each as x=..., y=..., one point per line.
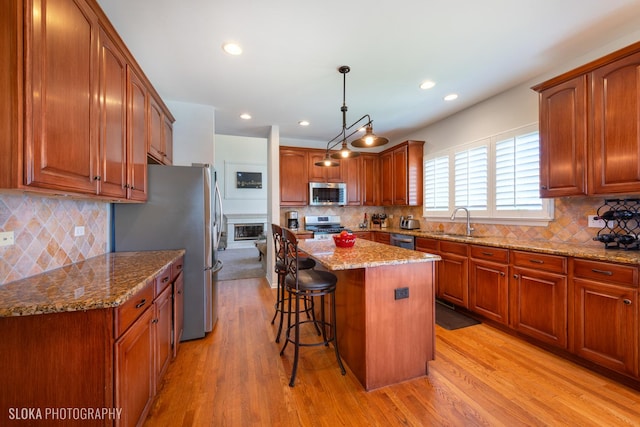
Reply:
x=626, y=301
x=141, y=303
x=96, y=178
x=515, y=276
x=154, y=321
x=543, y=187
x=502, y=274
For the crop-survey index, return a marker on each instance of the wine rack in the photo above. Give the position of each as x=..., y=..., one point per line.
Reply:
x=622, y=224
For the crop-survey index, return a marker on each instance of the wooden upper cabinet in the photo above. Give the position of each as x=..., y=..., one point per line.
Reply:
x=67, y=110
x=137, y=136
x=370, y=180
x=112, y=110
x=563, y=139
x=589, y=128
x=615, y=159
x=160, y=133
x=351, y=173
x=323, y=173
x=401, y=174
x=61, y=104
x=294, y=183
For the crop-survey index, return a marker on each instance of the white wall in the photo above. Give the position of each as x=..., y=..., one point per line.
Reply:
x=193, y=133
x=244, y=154
x=509, y=110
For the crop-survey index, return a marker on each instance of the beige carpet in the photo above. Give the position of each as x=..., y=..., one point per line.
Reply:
x=240, y=264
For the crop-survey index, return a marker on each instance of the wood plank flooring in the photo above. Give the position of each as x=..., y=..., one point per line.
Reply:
x=481, y=377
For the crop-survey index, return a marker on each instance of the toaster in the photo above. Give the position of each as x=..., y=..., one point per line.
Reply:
x=409, y=224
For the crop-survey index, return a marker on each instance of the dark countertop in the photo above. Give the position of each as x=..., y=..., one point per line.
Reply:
x=100, y=282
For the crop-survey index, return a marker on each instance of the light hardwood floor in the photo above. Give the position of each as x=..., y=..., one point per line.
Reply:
x=481, y=376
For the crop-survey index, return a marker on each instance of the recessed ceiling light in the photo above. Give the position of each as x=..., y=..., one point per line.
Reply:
x=245, y=116
x=427, y=84
x=451, y=97
x=232, y=48
x=303, y=123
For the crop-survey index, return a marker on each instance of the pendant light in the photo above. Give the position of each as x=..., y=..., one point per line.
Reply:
x=369, y=140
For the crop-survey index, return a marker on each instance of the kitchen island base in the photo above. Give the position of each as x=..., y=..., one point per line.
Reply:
x=385, y=340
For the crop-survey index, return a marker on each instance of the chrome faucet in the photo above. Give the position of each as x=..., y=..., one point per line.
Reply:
x=453, y=216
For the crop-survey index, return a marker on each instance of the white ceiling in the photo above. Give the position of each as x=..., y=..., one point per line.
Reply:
x=292, y=49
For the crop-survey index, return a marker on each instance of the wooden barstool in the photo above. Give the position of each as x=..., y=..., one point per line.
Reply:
x=301, y=284
x=281, y=271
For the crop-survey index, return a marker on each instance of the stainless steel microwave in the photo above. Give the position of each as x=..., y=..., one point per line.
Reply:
x=327, y=193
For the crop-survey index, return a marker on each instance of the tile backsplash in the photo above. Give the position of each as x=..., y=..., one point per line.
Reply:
x=44, y=233
x=569, y=226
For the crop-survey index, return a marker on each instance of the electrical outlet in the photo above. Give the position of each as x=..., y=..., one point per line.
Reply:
x=78, y=231
x=6, y=238
x=594, y=222
x=401, y=293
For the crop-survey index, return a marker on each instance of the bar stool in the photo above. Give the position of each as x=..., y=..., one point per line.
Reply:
x=308, y=284
x=281, y=270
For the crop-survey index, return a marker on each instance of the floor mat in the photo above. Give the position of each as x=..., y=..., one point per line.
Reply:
x=451, y=319
x=240, y=264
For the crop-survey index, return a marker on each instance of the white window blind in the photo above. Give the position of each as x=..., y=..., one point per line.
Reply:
x=471, y=178
x=436, y=184
x=518, y=173
x=497, y=178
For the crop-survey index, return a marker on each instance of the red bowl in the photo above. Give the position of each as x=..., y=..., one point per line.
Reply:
x=344, y=241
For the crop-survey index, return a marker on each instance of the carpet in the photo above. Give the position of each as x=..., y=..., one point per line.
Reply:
x=240, y=264
x=450, y=319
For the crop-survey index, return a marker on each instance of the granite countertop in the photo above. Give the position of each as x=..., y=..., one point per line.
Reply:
x=363, y=254
x=100, y=282
x=541, y=246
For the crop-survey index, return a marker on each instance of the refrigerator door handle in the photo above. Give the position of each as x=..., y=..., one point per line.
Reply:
x=219, y=197
x=217, y=267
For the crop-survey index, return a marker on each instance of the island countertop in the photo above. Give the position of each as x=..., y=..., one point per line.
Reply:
x=363, y=254
x=99, y=282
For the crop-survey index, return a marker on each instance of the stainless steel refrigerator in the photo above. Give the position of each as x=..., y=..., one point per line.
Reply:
x=183, y=211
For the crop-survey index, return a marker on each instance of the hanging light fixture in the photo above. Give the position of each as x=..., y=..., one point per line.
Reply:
x=369, y=140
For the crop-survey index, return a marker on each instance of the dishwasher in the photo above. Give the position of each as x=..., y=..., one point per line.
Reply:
x=403, y=241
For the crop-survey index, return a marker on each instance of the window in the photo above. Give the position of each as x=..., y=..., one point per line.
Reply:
x=496, y=178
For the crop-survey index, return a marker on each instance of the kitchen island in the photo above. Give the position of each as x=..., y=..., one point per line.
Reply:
x=385, y=312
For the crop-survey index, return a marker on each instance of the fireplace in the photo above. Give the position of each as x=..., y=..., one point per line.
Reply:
x=247, y=231
x=243, y=230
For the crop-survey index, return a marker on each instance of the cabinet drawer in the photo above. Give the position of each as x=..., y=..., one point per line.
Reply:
x=162, y=281
x=132, y=308
x=176, y=268
x=625, y=275
x=544, y=262
x=454, y=248
x=426, y=245
x=490, y=254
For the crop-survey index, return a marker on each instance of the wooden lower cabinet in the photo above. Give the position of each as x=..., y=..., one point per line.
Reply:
x=178, y=311
x=382, y=237
x=163, y=331
x=366, y=235
x=111, y=358
x=489, y=282
x=135, y=374
x=605, y=315
x=539, y=305
x=453, y=273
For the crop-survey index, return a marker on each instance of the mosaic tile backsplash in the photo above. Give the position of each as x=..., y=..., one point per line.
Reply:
x=44, y=233
x=570, y=224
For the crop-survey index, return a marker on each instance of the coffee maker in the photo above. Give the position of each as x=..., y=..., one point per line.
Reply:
x=292, y=220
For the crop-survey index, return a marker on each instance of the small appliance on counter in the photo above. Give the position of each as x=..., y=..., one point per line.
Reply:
x=380, y=220
x=408, y=223
x=292, y=220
